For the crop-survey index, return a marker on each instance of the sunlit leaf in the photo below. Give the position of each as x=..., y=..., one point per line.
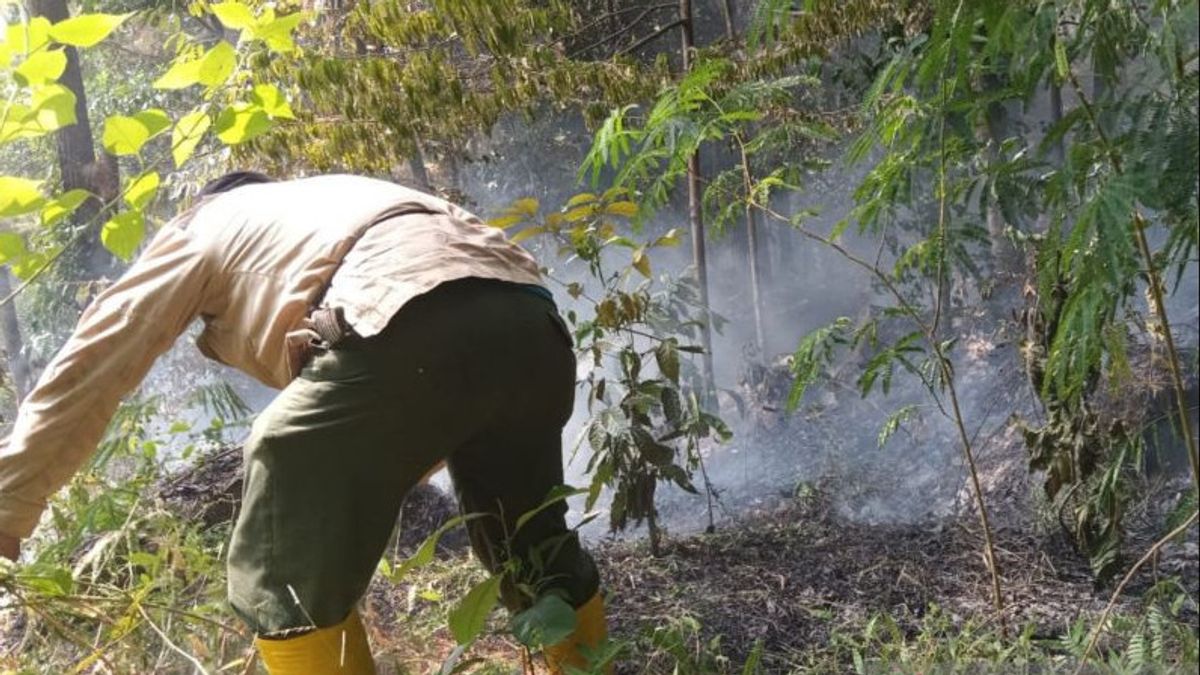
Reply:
x=181, y=74
x=142, y=189
x=12, y=247
x=123, y=234
x=217, y=64
x=155, y=120
x=63, y=205
x=239, y=123
x=527, y=206
x=272, y=101
x=188, y=133
x=124, y=135
x=671, y=238
x=581, y=198
x=278, y=32
x=53, y=107
x=27, y=38
x=41, y=67
x=19, y=195
x=234, y=15
x=86, y=30
x=505, y=222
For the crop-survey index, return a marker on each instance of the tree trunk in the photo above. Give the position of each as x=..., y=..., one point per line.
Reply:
x=18, y=364
x=727, y=14
x=416, y=165
x=77, y=157
x=695, y=212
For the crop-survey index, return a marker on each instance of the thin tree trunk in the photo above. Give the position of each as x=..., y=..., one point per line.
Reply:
x=18, y=364
x=1056, y=115
x=76, y=155
x=416, y=165
x=752, y=244
x=727, y=14
x=695, y=213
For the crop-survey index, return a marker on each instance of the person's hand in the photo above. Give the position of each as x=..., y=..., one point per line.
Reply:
x=10, y=547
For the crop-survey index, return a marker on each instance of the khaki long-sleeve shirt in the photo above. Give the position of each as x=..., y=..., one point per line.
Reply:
x=251, y=263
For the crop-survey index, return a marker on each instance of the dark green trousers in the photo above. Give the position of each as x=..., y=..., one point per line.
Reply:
x=478, y=373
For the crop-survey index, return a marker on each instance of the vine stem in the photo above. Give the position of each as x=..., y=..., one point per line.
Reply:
x=1112, y=602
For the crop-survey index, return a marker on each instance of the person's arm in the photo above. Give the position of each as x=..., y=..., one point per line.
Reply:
x=113, y=346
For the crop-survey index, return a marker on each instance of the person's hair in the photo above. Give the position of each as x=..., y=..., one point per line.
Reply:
x=231, y=180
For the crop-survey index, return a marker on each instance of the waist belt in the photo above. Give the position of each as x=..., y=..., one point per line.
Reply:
x=330, y=324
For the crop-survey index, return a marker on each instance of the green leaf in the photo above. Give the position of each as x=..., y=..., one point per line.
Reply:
x=505, y=222
x=12, y=247
x=19, y=195
x=234, y=15
x=188, y=133
x=671, y=238
x=581, y=198
x=142, y=189
x=217, y=65
x=548, y=622
x=63, y=206
x=556, y=495
x=469, y=617
x=641, y=262
x=278, y=33
x=27, y=38
x=41, y=67
x=239, y=123
x=623, y=209
x=53, y=107
x=155, y=120
x=123, y=234
x=272, y=101
x=181, y=74
x=666, y=354
x=86, y=30
x=1061, y=65
x=124, y=135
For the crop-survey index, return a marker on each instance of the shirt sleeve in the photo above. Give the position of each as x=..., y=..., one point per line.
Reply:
x=112, y=348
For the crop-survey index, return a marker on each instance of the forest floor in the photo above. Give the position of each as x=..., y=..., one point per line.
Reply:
x=798, y=589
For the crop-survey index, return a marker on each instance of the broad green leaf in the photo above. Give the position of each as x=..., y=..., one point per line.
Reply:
x=623, y=209
x=27, y=38
x=548, y=622
x=581, y=198
x=272, y=101
x=277, y=33
x=557, y=494
x=142, y=189
x=53, y=107
x=155, y=120
x=41, y=67
x=63, y=206
x=12, y=247
x=217, y=65
x=188, y=133
x=29, y=264
x=15, y=123
x=526, y=233
x=19, y=195
x=234, y=15
x=666, y=354
x=123, y=234
x=181, y=74
x=469, y=617
x=240, y=122
x=86, y=30
x=124, y=135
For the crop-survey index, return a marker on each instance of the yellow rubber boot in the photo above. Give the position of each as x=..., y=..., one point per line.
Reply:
x=336, y=650
x=590, y=630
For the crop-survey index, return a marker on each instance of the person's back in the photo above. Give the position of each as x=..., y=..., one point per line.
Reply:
x=404, y=331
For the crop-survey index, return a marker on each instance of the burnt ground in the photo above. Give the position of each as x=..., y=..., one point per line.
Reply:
x=796, y=581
